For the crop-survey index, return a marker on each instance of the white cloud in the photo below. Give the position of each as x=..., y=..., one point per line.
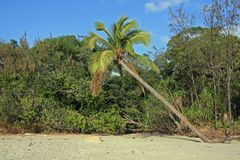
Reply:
x=161, y=5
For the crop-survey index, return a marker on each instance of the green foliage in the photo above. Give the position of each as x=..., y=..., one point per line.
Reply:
x=198, y=59
x=198, y=115
x=10, y=90
x=45, y=88
x=63, y=120
x=100, y=61
x=117, y=46
x=162, y=123
x=57, y=96
x=147, y=63
x=202, y=109
x=109, y=122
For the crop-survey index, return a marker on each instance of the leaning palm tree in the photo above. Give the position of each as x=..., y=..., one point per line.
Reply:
x=117, y=49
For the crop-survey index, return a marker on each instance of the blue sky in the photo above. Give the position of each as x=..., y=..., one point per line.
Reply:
x=40, y=18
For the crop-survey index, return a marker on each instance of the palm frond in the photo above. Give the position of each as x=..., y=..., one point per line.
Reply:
x=92, y=40
x=141, y=38
x=98, y=67
x=100, y=61
x=117, y=36
x=129, y=26
x=100, y=26
x=96, y=83
x=147, y=63
x=132, y=33
x=121, y=22
x=129, y=49
x=120, y=40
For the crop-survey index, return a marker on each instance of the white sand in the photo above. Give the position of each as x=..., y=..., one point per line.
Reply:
x=128, y=147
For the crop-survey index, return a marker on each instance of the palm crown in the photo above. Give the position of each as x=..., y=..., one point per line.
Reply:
x=117, y=46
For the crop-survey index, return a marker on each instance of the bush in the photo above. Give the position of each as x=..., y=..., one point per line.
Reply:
x=10, y=89
x=163, y=123
x=9, y=110
x=109, y=122
x=202, y=109
x=41, y=108
x=157, y=117
x=197, y=115
x=63, y=119
x=68, y=120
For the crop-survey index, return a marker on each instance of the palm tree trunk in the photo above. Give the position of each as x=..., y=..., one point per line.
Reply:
x=166, y=103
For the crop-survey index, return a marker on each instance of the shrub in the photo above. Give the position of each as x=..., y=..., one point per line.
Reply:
x=63, y=119
x=109, y=122
x=9, y=110
x=10, y=89
x=202, y=109
x=156, y=117
x=163, y=123
x=198, y=115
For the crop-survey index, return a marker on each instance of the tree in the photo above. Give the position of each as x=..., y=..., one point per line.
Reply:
x=117, y=49
x=180, y=23
x=224, y=14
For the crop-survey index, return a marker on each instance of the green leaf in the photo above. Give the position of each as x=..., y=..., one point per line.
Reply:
x=93, y=40
x=147, y=63
x=100, y=61
x=101, y=27
x=129, y=26
x=121, y=22
x=141, y=38
x=129, y=49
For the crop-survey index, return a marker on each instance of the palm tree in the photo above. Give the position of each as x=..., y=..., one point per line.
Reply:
x=117, y=49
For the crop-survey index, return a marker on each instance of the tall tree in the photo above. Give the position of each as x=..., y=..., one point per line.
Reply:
x=180, y=23
x=117, y=49
x=224, y=14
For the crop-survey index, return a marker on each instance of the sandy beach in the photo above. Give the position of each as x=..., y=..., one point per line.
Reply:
x=127, y=147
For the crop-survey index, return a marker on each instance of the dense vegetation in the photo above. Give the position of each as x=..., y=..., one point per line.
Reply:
x=45, y=87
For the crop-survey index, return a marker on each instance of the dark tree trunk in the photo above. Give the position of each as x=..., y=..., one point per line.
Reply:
x=166, y=103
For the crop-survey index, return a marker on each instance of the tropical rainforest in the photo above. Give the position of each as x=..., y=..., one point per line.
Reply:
x=66, y=84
